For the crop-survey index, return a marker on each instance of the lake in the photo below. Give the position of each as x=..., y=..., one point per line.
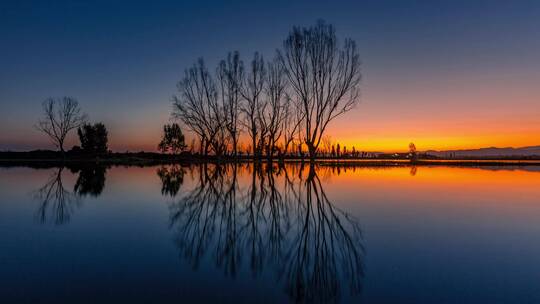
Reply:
x=270, y=234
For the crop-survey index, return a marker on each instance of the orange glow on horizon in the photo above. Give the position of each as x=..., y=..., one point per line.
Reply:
x=376, y=143
x=392, y=143
x=424, y=143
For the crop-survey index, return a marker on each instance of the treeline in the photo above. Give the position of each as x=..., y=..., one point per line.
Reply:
x=281, y=107
x=278, y=108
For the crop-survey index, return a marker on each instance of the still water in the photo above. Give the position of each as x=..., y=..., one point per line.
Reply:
x=227, y=234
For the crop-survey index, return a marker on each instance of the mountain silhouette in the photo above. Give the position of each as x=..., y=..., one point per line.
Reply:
x=489, y=152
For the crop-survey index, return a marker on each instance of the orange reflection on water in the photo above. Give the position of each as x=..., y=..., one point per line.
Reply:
x=458, y=186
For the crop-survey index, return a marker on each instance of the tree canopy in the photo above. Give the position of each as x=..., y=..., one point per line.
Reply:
x=94, y=138
x=173, y=139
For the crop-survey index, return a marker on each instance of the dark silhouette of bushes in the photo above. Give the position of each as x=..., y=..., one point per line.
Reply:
x=94, y=138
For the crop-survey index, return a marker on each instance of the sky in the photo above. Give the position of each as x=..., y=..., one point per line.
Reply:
x=441, y=74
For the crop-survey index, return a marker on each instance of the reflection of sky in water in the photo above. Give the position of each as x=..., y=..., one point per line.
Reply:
x=436, y=234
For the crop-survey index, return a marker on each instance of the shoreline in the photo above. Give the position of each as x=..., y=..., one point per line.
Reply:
x=349, y=162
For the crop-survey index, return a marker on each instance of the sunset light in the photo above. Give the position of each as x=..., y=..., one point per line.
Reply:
x=284, y=151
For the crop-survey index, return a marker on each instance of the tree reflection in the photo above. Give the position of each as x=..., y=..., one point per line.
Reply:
x=281, y=219
x=171, y=179
x=57, y=203
x=91, y=181
x=55, y=200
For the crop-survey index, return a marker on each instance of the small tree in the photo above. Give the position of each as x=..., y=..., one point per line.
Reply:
x=173, y=139
x=327, y=144
x=94, y=138
x=61, y=115
x=412, y=152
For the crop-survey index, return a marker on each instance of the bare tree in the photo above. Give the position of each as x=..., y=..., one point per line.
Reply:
x=197, y=106
x=251, y=92
x=61, y=115
x=274, y=110
x=230, y=74
x=324, y=77
x=291, y=123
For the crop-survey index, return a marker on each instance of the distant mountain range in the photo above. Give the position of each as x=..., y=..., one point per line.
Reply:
x=488, y=152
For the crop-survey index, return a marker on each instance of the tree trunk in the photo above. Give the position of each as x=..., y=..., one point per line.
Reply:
x=235, y=146
x=254, y=146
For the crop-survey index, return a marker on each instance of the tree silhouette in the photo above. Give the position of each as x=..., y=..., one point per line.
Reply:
x=324, y=78
x=412, y=152
x=197, y=107
x=61, y=115
x=231, y=75
x=273, y=112
x=252, y=89
x=173, y=139
x=279, y=105
x=94, y=138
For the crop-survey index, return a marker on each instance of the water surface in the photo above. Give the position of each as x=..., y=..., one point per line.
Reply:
x=245, y=233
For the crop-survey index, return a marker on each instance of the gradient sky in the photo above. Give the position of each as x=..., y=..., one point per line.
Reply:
x=443, y=74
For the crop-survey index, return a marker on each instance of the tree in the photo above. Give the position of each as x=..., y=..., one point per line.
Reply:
x=412, y=152
x=173, y=139
x=230, y=75
x=251, y=91
x=273, y=111
x=197, y=106
x=94, y=138
x=327, y=144
x=61, y=115
x=291, y=123
x=325, y=78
